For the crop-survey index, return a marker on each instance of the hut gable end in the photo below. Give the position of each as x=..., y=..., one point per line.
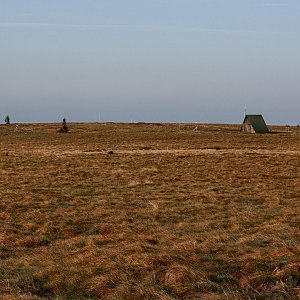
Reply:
x=254, y=124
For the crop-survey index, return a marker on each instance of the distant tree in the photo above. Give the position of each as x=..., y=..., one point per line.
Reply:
x=64, y=128
x=7, y=120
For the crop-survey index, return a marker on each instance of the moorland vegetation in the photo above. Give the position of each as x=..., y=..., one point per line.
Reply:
x=149, y=211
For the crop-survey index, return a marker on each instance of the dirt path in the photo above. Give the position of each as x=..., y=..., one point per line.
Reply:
x=58, y=152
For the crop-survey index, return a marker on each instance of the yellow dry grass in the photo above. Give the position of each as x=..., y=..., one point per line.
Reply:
x=149, y=211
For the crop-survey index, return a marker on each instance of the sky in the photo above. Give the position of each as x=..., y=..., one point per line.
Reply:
x=204, y=61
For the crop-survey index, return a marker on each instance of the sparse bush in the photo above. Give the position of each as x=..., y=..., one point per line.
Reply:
x=33, y=284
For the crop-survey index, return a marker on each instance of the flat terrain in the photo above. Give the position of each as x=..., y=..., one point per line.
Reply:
x=149, y=211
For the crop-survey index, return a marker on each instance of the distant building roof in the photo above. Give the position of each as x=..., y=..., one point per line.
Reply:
x=254, y=124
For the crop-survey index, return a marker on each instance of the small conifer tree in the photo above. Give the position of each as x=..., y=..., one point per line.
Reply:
x=7, y=120
x=64, y=128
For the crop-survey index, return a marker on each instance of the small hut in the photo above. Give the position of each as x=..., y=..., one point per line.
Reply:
x=254, y=124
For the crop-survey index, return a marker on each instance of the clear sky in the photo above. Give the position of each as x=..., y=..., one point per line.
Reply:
x=150, y=60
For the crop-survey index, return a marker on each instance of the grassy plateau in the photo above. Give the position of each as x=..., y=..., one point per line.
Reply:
x=149, y=211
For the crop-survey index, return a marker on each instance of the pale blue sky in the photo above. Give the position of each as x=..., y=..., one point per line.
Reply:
x=150, y=60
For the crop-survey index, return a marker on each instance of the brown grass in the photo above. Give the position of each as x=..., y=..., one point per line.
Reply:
x=173, y=213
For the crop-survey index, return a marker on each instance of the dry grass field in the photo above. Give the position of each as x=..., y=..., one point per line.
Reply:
x=149, y=211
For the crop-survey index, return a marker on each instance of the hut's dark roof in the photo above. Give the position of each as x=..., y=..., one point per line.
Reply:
x=258, y=123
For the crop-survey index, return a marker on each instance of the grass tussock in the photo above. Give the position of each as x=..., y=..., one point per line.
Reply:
x=140, y=211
